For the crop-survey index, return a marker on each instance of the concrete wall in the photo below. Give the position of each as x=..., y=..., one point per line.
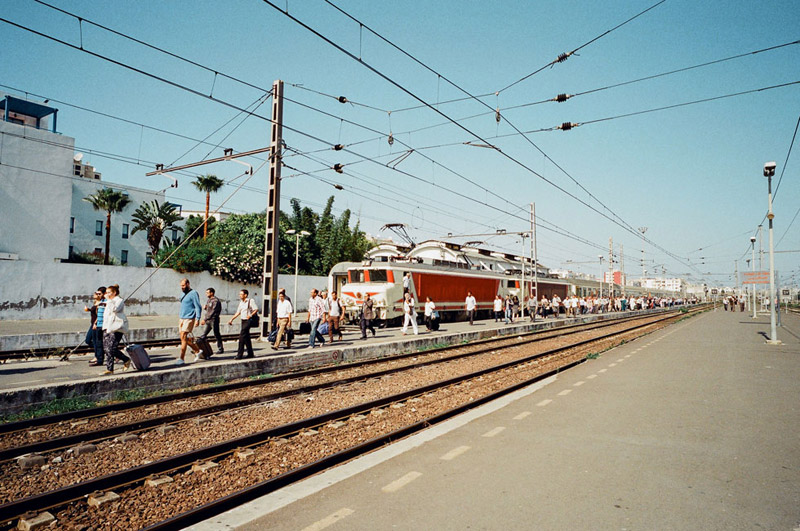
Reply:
x=33, y=290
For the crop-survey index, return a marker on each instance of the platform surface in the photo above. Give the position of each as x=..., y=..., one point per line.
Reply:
x=696, y=426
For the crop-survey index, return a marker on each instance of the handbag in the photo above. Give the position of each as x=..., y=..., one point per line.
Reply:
x=435, y=314
x=254, y=320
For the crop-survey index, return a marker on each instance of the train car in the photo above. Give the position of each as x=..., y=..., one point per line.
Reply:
x=443, y=271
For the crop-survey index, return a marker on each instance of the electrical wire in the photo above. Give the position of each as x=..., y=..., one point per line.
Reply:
x=620, y=223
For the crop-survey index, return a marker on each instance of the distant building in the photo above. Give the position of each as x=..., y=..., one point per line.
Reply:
x=666, y=284
x=42, y=187
x=617, y=277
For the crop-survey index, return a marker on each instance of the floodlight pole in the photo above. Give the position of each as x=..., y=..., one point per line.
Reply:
x=773, y=336
x=269, y=282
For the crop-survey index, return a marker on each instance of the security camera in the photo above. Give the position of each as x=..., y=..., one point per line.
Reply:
x=769, y=169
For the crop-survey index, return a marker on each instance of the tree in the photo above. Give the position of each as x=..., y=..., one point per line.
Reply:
x=208, y=184
x=192, y=224
x=112, y=202
x=155, y=219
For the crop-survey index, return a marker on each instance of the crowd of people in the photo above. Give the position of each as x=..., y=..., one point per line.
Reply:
x=324, y=317
x=574, y=306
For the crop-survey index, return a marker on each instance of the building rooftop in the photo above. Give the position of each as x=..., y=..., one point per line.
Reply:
x=15, y=110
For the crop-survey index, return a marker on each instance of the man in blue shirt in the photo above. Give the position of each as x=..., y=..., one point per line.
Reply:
x=191, y=311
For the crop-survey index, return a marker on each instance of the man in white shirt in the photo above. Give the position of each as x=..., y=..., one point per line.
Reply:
x=284, y=311
x=470, y=304
x=333, y=311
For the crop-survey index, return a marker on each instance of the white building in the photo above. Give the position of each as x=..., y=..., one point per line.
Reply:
x=666, y=284
x=43, y=217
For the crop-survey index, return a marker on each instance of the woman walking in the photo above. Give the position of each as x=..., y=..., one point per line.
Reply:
x=115, y=324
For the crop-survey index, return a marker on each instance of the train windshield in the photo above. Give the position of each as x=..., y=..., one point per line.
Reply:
x=368, y=275
x=378, y=275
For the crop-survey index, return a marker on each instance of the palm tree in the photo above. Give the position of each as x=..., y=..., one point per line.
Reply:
x=208, y=184
x=110, y=201
x=155, y=219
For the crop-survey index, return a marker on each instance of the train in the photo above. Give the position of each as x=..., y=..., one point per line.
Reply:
x=445, y=272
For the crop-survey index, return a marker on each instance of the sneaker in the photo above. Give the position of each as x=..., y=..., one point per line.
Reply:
x=220, y=351
x=179, y=362
x=126, y=365
x=106, y=373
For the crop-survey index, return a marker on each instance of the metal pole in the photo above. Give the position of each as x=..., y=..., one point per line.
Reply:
x=622, y=278
x=760, y=255
x=535, y=256
x=773, y=336
x=269, y=283
x=522, y=260
x=753, y=246
x=296, y=264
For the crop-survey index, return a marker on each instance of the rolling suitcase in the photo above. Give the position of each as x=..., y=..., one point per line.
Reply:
x=205, y=347
x=305, y=328
x=138, y=356
x=434, y=324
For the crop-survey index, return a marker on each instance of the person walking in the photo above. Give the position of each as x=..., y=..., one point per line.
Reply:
x=284, y=311
x=96, y=329
x=409, y=314
x=507, y=307
x=333, y=309
x=212, y=310
x=316, y=309
x=115, y=324
x=406, y=282
x=498, y=308
x=367, y=315
x=247, y=310
x=189, y=317
x=470, y=303
x=430, y=307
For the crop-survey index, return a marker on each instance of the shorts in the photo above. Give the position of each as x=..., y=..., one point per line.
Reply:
x=186, y=325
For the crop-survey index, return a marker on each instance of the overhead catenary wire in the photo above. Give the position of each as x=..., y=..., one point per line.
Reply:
x=563, y=57
x=620, y=223
x=174, y=84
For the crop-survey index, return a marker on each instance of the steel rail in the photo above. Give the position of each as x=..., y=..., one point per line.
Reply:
x=70, y=493
x=99, y=411
x=67, y=441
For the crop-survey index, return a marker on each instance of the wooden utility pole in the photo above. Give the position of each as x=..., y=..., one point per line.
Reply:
x=269, y=283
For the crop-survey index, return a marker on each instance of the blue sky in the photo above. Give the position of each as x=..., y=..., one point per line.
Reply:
x=691, y=174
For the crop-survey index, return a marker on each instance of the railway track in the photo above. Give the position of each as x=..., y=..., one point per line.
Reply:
x=54, y=426
x=340, y=431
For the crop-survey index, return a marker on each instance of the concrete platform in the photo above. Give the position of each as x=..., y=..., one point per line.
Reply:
x=28, y=383
x=67, y=333
x=692, y=427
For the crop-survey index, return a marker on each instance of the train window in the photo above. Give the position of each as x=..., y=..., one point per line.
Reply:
x=378, y=275
x=510, y=284
x=361, y=276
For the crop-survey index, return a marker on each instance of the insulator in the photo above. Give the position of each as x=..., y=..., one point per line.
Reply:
x=566, y=126
x=338, y=168
x=338, y=147
x=342, y=99
x=391, y=139
x=563, y=57
x=561, y=98
x=497, y=115
x=338, y=186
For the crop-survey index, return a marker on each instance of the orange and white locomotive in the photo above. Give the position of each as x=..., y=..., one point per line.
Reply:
x=443, y=271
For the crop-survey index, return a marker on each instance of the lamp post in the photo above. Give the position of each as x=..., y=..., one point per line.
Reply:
x=769, y=171
x=753, y=261
x=296, y=262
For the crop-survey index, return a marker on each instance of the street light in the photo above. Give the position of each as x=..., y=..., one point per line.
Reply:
x=753, y=249
x=769, y=171
x=296, y=262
